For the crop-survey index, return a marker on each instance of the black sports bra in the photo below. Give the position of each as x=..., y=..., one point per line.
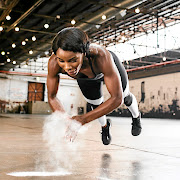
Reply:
x=90, y=63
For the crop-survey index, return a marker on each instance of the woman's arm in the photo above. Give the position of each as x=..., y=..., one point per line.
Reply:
x=52, y=85
x=106, y=65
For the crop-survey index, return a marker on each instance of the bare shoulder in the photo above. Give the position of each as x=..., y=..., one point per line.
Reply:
x=53, y=67
x=98, y=50
x=101, y=57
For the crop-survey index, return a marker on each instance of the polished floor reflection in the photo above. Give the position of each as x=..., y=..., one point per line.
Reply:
x=154, y=155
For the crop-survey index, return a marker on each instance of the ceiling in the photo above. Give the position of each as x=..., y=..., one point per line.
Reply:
x=122, y=20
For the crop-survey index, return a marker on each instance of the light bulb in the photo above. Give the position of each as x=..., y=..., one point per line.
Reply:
x=1, y=28
x=16, y=28
x=31, y=52
x=33, y=38
x=46, y=26
x=73, y=22
x=8, y=17
x=164, y=58
x=103, y=17
x=23, y=43
x=13, y=45
x=137, y=10
x=58, y=16
x=3, y=53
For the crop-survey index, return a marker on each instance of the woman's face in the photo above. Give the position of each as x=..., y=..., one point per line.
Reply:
x=70, y=61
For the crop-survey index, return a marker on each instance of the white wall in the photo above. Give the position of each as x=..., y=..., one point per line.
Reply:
x=159, y=90
x=14, y=91
x=71, y=96
x=4, y=88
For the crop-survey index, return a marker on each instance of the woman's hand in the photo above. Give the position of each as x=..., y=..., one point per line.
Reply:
x=73, y=126
x=79, y=119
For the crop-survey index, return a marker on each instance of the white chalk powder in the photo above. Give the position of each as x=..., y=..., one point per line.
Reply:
x=61, y=152
x=61, y=155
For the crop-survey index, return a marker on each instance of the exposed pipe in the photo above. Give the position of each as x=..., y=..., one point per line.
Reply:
x=96, y=17
x=31, y=74
x=67, y=77
x=8, y=9
x=154, y=65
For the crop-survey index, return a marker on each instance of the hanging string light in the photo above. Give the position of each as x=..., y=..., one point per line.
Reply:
x=34, y=38
x=103, y=17
x=137, y=10
x=46, y=25
x=58, y=16
x=164, y=58
x=3, y=53
x=8, y=17
x=17, y=29
x=23, y=43
x=13, y=45
x=31, y=52
x=1, y=28
x=73, y=22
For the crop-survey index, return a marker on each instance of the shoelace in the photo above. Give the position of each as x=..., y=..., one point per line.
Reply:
x=103, y=132
x=136, y=122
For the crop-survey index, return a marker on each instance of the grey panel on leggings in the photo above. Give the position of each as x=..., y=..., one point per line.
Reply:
x=121, y=69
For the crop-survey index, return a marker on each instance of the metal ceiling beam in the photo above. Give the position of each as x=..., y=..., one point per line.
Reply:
x=2, y=3
x=8, y=9
x=29, y=11
x=136, y=16
x=96, y=17
x=36, y=31
x=156, y=56
x=174, y=50
x=127, y=66
x=142, y=62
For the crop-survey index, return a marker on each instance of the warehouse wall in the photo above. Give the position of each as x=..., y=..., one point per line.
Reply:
x=71, y=97
x=161, y=95
x=14, y=94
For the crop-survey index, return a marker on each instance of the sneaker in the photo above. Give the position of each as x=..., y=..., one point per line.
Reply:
x=136, y=126
x=106, y=136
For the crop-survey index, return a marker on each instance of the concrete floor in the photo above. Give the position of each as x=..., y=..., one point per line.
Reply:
x=154, y=155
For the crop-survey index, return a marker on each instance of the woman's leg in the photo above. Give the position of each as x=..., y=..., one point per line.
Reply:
x=102, y=119
x=129, y=99
x=131, y=102
x=92, y=91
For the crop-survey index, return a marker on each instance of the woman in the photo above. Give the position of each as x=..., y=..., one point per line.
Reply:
x=91, y=64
